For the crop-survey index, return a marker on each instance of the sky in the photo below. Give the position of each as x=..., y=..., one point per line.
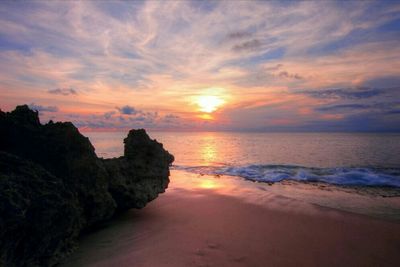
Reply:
x=204, y=65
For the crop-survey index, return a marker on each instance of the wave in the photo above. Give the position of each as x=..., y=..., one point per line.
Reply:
x=351, y=176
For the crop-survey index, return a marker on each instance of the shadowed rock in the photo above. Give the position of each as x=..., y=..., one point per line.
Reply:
x=51, y=178
x=39, y=217
x=135, y=177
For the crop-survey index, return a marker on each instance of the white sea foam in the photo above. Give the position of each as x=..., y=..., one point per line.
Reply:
x=276, y=173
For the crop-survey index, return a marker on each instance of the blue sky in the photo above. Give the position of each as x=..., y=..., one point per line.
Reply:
x=272, y=66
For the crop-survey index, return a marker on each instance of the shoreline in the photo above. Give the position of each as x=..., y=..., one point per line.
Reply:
x=203, y=226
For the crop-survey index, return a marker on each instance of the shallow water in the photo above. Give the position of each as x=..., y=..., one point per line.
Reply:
x=362, y=159
x=359, y=173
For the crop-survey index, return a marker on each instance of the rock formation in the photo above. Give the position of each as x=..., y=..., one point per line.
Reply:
x=53, y=186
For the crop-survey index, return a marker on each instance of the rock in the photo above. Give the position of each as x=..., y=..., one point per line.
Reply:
x=65, y=153
x=39, y=216
x=141, y=174
x=51, y=170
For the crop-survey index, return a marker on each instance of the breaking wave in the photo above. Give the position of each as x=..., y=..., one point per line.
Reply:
x=353, y=176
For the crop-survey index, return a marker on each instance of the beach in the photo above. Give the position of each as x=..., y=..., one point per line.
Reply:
x=201, y=220
x=199, y=133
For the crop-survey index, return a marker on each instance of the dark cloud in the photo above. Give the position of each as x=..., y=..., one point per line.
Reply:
x=394, y=111
x=274, y=68
x=344, y=107
x=140, y=118
x=171, y=116
x=135, y=115
x=285, y=74
x=359, y=122
x=346, y=93
x=117, y=120
x=171, y=119
x=95, y=124
x=109, y=114
x=247, y=46
x=128, y=110
x=43, y=108
x=146, y=117
x=378, y=108
x=383, y=82
x=63, y=91
x=238, y=35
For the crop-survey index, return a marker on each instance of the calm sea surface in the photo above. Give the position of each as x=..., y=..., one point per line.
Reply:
x=337, y=158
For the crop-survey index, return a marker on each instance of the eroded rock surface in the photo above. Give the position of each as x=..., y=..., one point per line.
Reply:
x=53, y=186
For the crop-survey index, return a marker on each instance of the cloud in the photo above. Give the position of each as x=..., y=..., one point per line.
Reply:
x=109, y=114
x=63, y=91
x=238, y=35
x=395, y=111
x=116, y=120
x=171, y=116
x=134, y=115
x=128, y=110
x=285, y=74
x=43, y=108
x=359, y=122
x=343, y=107
x=384, y=81
x=247, y=46
x=173, y=50
x=345, y=93
x=376, y=108
x=171, y=119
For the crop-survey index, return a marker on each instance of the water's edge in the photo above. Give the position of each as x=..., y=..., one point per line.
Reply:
x=341, y=176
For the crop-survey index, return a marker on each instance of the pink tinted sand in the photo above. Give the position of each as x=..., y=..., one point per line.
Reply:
x=201, y=225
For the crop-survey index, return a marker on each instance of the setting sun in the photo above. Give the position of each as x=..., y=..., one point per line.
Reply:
x=266, y=126
x=209, y=103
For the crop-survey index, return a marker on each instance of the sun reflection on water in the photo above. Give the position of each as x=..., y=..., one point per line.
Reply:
x=208, y=153
x=208, y=149
x=209, y=184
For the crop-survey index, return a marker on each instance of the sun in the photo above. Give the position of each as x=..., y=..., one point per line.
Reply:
x=209, y=103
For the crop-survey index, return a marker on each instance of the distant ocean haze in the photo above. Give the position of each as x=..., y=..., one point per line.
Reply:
x=337, y=158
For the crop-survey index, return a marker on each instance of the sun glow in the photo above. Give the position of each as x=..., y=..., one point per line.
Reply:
x=208, y=184
x=209, y=103
x=205, y=116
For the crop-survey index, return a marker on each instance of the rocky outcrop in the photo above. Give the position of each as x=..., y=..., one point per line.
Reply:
x=39, y=217
x=53, y=186
x=135, y=176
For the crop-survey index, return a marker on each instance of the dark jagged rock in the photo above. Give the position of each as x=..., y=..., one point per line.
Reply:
x=39, y=217
x=53, y=186
x=65, y=153
x=136, y=176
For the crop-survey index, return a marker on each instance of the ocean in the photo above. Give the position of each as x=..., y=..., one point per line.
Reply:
x=351, y=159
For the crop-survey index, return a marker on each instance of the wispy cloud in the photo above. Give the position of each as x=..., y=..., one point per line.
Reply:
x=343, y=107
x=383, y=107
x=41, y=108
x=248, y=46
x=63, y=91
x=274, y=60
x=346, y=93
x=238, y=35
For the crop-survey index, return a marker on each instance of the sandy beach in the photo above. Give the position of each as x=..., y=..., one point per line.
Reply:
x=196, y=223
x=150, y=133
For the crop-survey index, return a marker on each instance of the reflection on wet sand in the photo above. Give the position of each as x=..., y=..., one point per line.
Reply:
x=291, y=194
x=207, y=220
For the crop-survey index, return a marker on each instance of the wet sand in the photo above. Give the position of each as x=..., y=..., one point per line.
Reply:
x=197, y=223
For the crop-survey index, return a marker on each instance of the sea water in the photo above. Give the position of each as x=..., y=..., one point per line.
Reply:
x=360, y=159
